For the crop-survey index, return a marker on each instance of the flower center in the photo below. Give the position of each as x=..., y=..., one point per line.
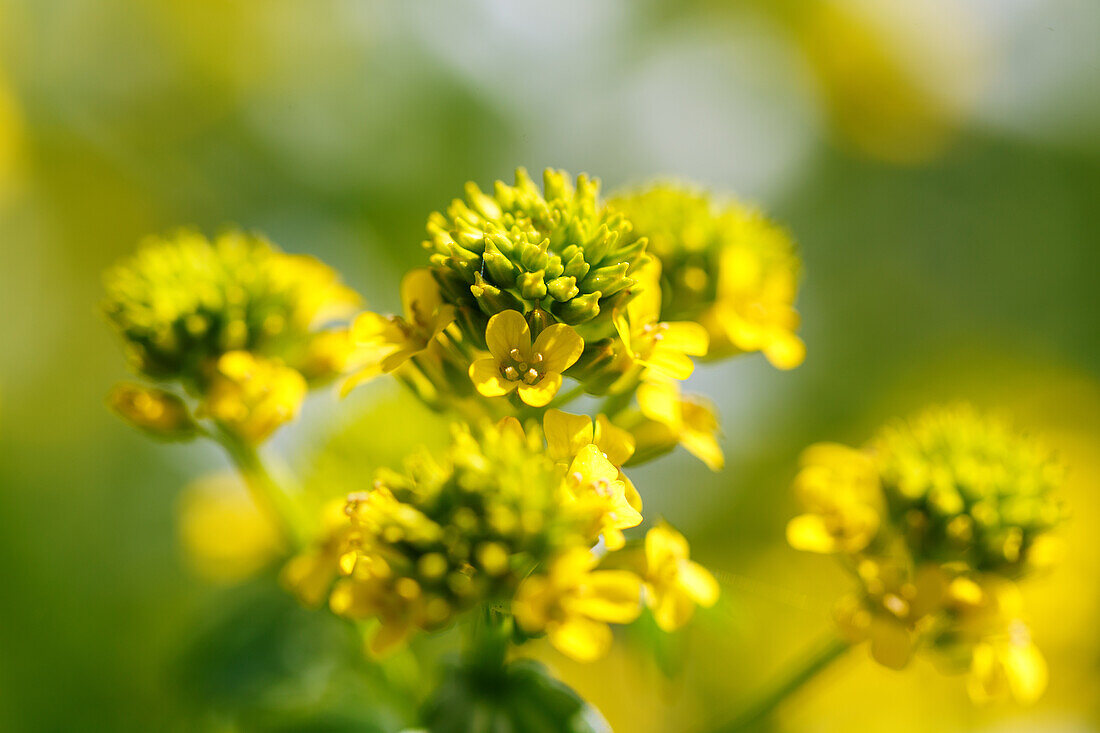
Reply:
x=517, y=367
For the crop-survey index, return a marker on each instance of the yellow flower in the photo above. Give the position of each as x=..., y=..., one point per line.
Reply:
x=663, y=348
x=225, y=537
x=672, y=419
x=567, y=435
x=252, y=397
x=157, y=412
x=757, y=286
x=593, y=480
x=674, y=583
x=839, y=488
x=1009, y=666
x=574, y=604
x=387, y=342
x=515, y=364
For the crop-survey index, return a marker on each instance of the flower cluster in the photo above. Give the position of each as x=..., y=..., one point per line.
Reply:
x=508, y=519
x=937, y=517
x=239, y=326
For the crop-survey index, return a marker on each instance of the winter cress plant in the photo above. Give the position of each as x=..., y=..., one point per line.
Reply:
x=533, y=300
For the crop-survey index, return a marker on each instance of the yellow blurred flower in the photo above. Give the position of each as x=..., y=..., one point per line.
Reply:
x=225, y=537
x=309, y=574
x=156, y=411
x=674, y=584
x=839, y=488
x=515, y=364
x=387, y=342
x=757, y=286
x=671, y=419
x=253, y=397
x=574, y=603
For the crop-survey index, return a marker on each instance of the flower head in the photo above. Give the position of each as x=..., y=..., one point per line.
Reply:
x=573, y=604
x=449, y=534
x=938, y=516
x=182, y=302
x=674, y=584
x=519, y=249
x=515, y=364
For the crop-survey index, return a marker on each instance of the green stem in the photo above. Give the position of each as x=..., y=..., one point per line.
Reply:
x=771, y=697
x=266, y=492
x=565, y=398
x=488, y=642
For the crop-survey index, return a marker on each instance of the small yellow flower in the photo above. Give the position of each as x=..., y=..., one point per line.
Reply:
x=674, y=583
x=252, y=396
x=754, y=307
x=157, y=412
x=567, y=435
x=515, y=364
x=673, y=419
x=839, y=488
x=387, y=342
x=574, y=604
x=663, y=348
x=592, y=479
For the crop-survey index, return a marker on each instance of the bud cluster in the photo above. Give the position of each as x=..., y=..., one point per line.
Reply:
x=558, y=250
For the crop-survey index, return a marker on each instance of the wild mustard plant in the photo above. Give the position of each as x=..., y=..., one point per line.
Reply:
x=527, y=525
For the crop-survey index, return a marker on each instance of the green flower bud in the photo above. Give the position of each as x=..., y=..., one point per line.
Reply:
x=521, y=249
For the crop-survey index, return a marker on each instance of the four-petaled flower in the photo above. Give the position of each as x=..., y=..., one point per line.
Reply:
x=574, y=604
x=674, y=583
x=515, y=364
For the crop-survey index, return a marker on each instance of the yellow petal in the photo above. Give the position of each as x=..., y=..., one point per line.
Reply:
x=891, y=643
x=664, y=545
x=622, y=327
x=560, y=347
x=507, y=330
x=686, y=337
x=809, y=532
x=698, y=583
x=785, y=352
x=580, y=638
x=630, y=493
x=566, y=434
x=660, y=401
x=486, y=376
x=373, y=328
x=671, y=610
x=592, y=466
x=419, y=294
x=360, y=377
x=389, y=636
x=541, y=392
x=442, y=318
x=614, y=596
x=616, y=443
x=671, y=363
x=510, y=425
x=704, y=447
x=1027, y=672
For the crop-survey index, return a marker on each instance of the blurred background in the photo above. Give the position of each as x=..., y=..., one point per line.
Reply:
x=937, y=160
